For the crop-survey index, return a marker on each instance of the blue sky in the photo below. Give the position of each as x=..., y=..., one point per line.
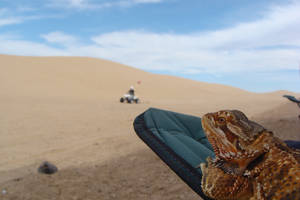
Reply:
x=250, y=44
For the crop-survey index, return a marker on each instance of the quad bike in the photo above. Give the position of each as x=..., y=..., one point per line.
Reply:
x=129, y=98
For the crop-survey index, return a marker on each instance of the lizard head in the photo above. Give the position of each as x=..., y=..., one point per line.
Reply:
x=235, y=139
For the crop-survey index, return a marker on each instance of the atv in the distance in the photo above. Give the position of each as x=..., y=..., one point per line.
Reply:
x=129, y=99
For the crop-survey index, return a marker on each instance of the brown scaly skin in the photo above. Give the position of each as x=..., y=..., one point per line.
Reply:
x=250, y=162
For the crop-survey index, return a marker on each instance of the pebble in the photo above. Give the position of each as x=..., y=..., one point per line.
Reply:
x=47, y=168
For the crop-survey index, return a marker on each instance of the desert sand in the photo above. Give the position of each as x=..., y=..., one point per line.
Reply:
x=66, y=110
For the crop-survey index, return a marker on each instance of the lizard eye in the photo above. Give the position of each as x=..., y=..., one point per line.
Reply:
x=221, y=120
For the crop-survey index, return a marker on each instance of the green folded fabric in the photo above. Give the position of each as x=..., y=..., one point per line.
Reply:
x=179, y=140
x=183, y=133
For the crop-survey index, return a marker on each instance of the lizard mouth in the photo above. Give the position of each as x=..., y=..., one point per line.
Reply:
x=223, y=148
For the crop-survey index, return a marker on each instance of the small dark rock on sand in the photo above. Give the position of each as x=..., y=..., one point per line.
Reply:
x=47, y=168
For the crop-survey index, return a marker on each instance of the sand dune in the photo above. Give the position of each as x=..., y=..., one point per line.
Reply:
x=66, y=110
x=282, y=120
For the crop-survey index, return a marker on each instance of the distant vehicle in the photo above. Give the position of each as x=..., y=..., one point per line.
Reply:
x=129, y=99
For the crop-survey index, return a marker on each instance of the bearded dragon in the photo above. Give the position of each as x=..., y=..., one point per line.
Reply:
x=250, y=162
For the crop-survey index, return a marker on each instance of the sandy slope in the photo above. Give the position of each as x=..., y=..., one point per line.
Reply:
x=66, y=110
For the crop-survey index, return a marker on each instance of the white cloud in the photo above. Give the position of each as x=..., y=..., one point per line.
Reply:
x=6, y=19
x=279, y=27
x=24, y=8
x=15, y=46
x=77, y=2
x=60, y=38
x=18, y=15
x=146, y=1
x=92, y=4
x=13, y=20
x=260, y=45
x=9, y=21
